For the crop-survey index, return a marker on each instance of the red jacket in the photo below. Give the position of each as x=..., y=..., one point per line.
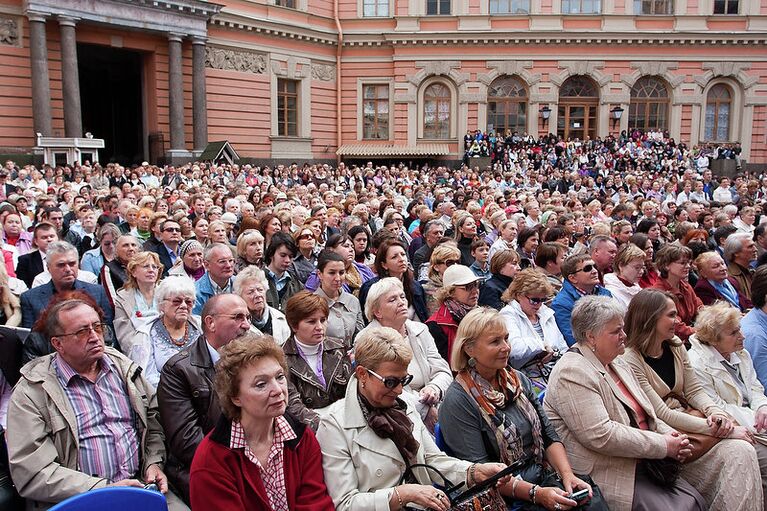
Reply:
x=709, y=295
x=442, y=327
x=687, y=305
x=223, y=478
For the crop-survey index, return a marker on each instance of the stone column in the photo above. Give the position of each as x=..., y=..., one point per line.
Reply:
x=70, y=79
x=176, y=93
x=199, y=100
x=41, y=92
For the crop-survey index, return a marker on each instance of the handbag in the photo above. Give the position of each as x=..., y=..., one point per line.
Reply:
x=663, y=472
x=482, y=497
x=700, y=444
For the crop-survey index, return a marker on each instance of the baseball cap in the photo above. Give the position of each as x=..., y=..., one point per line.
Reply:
x=458, y=275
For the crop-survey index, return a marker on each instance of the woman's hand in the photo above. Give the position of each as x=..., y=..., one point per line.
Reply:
x=720, y=425
x=429, y=395
x=572, y=484
x=677, y=445
x=426, y=496
x=548, y=355
x=553, y=498
x=760, y=421
x=484, y=471
x=741, y=433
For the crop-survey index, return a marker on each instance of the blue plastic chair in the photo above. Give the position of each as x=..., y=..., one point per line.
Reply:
x=115, y=499
x=438, y=439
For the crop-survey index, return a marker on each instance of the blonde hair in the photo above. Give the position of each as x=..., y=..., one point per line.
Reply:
x=475, y=323
x=526, y=282
x=712, y=321
x=376, y=346
x=137, y=260
x=627, y=253
x=441, y=254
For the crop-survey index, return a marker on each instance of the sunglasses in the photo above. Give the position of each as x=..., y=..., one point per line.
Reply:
x=451, y=262
x=470, y=286
x=172, y=229
x=391, y=382
x=306, y=237
x=535, y=301
x=587, y=269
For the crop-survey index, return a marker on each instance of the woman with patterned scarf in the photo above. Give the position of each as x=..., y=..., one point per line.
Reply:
x=490, y=413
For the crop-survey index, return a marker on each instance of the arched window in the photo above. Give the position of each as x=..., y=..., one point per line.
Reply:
x=718, y=107
x=577, y=110
x=649, y=105
x=507, y=105
x=436, y=111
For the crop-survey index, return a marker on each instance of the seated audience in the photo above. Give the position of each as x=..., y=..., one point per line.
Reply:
x=319, y=365
x=345, y=317
x=459, y=294
x=715, y=284
x=94, y=260
x=136, y=304
x=443, y=256
x=628, y=266
x=723, y=466
x=754, y=324
x=218, y=278
x=740, y=254
x=278, y=259
x=190, y=262
x=251, y=285
x=373, y=423
x=548, y=260
x=503, y=267
x=608, y=424
x=35, y=262
x=674, y=263
x=491, y=413
x=114, y=273
x=250, y=249
x=257, y=457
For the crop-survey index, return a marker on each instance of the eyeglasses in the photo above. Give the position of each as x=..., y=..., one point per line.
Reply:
x=471, y=286
x=535, y=301
x=239, y=318
x=451, y=262
x=391, y=382
x=178, y=302
x=85, y=332
x=172, y=229
x=306, y=237
x=149, y=267
x=587, y=268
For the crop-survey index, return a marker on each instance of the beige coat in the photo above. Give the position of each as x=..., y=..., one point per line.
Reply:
x=590, y=414
x=718, y=384
x=361, y=469
x=686, y=385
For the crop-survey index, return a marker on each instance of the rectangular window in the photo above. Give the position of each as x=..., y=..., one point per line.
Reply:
x=375, y=112
x=725, y=6
x=509, y=6
x=287, y=108
x=375, y=8
x=653, y=6
x=286, y=3
x=438, y=7
x=581, y=6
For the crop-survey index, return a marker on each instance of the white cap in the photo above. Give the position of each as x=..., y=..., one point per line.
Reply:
x=229, y=218
x=458, y=275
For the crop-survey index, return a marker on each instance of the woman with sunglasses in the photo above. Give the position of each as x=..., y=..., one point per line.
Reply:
x=491, y=413
x=305, y=261
x=459, y=294
x=536, y=342
x=175, y=329
x=444, y=256
x=319, y=367
x=370, y=437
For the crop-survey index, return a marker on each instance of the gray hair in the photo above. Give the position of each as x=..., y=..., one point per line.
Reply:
x=175, y=285
x=592, y=313
x=732, y=245
x=379, y=289
x=247, y=274
x=213, y=246
x=108, y=228
x=598, y=241
x=60, y=247
x=232, y=202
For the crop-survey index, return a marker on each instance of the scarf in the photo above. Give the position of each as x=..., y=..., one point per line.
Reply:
x=457, y=309
x=195, y=274
x=394, y=424
x=727, y=291
x=353, y=279
x=491, y=404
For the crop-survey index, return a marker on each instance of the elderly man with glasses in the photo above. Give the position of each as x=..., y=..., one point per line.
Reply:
x=218, y=277
x=186, y=394
x=83, y=417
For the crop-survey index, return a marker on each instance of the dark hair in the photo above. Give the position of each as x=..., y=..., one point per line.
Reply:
x=479, y=242
x=639, y=239
x=555, y=233
x=359, y=229
x=548, y=252
x=759, y=230
x=759, y=286
x=525, y=234
x=407, y=278
x=646, y=224
x=337, y=239
x=328, y=256
x=278, y=240
x=723, y=232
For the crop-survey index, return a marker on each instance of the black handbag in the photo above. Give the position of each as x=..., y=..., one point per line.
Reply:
x=481, y=497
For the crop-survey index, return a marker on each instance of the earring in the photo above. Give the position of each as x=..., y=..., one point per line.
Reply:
x=472, y=362
x=593, y=348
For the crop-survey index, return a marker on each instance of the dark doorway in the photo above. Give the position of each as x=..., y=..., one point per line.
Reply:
x=110, y=92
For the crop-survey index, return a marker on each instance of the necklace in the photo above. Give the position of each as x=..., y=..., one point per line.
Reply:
x=169, y=338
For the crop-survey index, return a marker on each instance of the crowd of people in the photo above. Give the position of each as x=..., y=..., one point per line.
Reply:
x=309, y=337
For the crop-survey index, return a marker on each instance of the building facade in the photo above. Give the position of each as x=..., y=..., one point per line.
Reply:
x=317, y=80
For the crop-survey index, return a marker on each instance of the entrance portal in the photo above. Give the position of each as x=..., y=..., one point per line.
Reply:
x=110, y=94
x=578, y=105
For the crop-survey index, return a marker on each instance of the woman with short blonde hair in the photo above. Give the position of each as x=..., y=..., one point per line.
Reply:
x=628, y=266
x=443, y=256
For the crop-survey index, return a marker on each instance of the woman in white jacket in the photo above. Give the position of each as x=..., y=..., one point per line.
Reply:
x=726, y=372
x=387, y=306
x=536, y=342
x=629, y=266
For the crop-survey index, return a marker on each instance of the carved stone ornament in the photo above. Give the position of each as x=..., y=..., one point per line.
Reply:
x=234, y=60
x=9, y=31
x=323, y=72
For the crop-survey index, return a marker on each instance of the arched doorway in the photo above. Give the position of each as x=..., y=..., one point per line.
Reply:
x=507, y=105
x=578, y=105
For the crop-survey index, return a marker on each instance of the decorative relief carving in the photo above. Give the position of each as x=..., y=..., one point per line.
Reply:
x=235, y=60
x=9, y=32
x=323, y=72
x=580, y=67
x=653, y=68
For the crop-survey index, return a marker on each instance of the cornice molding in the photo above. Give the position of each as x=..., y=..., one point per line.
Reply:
x=275, y=28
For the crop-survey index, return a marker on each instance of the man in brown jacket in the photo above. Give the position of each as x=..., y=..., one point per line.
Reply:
x=188, y=404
